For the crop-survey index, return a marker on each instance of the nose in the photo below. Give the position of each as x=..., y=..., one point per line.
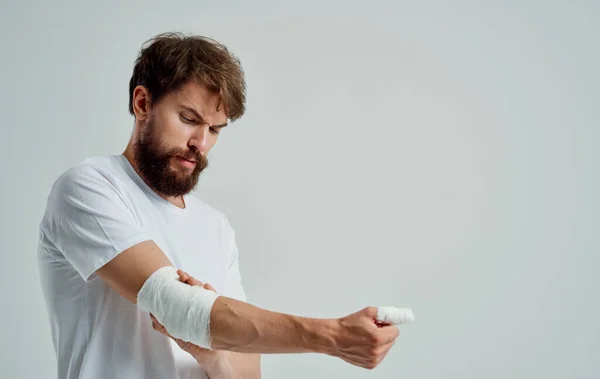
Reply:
x=200, y=139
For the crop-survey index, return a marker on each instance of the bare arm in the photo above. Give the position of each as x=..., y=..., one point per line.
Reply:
x=127, y=272
x=245, y=328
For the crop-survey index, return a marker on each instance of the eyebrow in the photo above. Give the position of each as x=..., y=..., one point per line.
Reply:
x=199, y=116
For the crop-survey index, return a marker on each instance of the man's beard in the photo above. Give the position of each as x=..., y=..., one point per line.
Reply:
x=154, y=163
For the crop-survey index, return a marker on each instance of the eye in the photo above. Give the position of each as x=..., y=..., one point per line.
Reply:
x=214, y=130
x=187, y=120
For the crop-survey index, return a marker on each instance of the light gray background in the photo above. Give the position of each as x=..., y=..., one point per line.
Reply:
x=434, y=155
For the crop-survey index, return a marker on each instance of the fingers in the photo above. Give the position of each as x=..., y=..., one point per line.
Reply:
x=376, y=356
x=386, y=350
x=186, y=278
x=387, y=333
x=374, y=359
x=370, y=338
x=158, y=326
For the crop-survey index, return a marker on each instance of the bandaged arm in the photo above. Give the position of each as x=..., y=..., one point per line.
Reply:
x=234, y=325
x=144, y=274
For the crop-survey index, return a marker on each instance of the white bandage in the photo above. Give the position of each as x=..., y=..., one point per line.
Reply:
x=395, y=316
x=184, y=310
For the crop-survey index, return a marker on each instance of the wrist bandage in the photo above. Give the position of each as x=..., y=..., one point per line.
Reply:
x=395, y=316
x=184, y=310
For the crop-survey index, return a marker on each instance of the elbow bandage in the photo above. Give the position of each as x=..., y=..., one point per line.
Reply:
x=395, y=316
x=184, y=310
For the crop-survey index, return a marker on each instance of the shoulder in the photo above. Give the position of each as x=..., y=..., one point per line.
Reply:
x=80, y=184
x=91, y=171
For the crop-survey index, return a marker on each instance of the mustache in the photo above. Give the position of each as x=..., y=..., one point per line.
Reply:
x=190, y=155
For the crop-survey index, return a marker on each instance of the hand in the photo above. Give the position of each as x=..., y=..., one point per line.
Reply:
x=362, y=340
x=205, y=357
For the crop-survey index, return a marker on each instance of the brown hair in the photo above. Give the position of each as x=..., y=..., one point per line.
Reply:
x=169, y=60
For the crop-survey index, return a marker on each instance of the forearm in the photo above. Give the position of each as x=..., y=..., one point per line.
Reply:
x=242, y=327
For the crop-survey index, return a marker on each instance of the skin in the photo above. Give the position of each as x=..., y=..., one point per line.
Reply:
x=240, y=329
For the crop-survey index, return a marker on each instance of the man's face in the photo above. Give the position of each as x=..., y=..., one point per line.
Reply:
x=173, y=143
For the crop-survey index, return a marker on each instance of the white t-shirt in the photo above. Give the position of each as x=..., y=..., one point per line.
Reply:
x=96, y=210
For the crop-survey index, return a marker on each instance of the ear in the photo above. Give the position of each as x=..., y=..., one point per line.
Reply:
x=141, y=102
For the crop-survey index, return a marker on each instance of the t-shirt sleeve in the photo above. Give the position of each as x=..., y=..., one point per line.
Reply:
x=233, y=286
x=88, y=219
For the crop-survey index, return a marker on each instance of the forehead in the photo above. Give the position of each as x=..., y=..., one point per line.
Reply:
x=200, y=98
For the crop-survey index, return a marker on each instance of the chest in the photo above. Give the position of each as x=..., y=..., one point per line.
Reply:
x=193, y=243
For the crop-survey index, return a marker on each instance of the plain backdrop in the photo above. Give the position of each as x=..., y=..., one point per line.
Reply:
x=428, y=154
